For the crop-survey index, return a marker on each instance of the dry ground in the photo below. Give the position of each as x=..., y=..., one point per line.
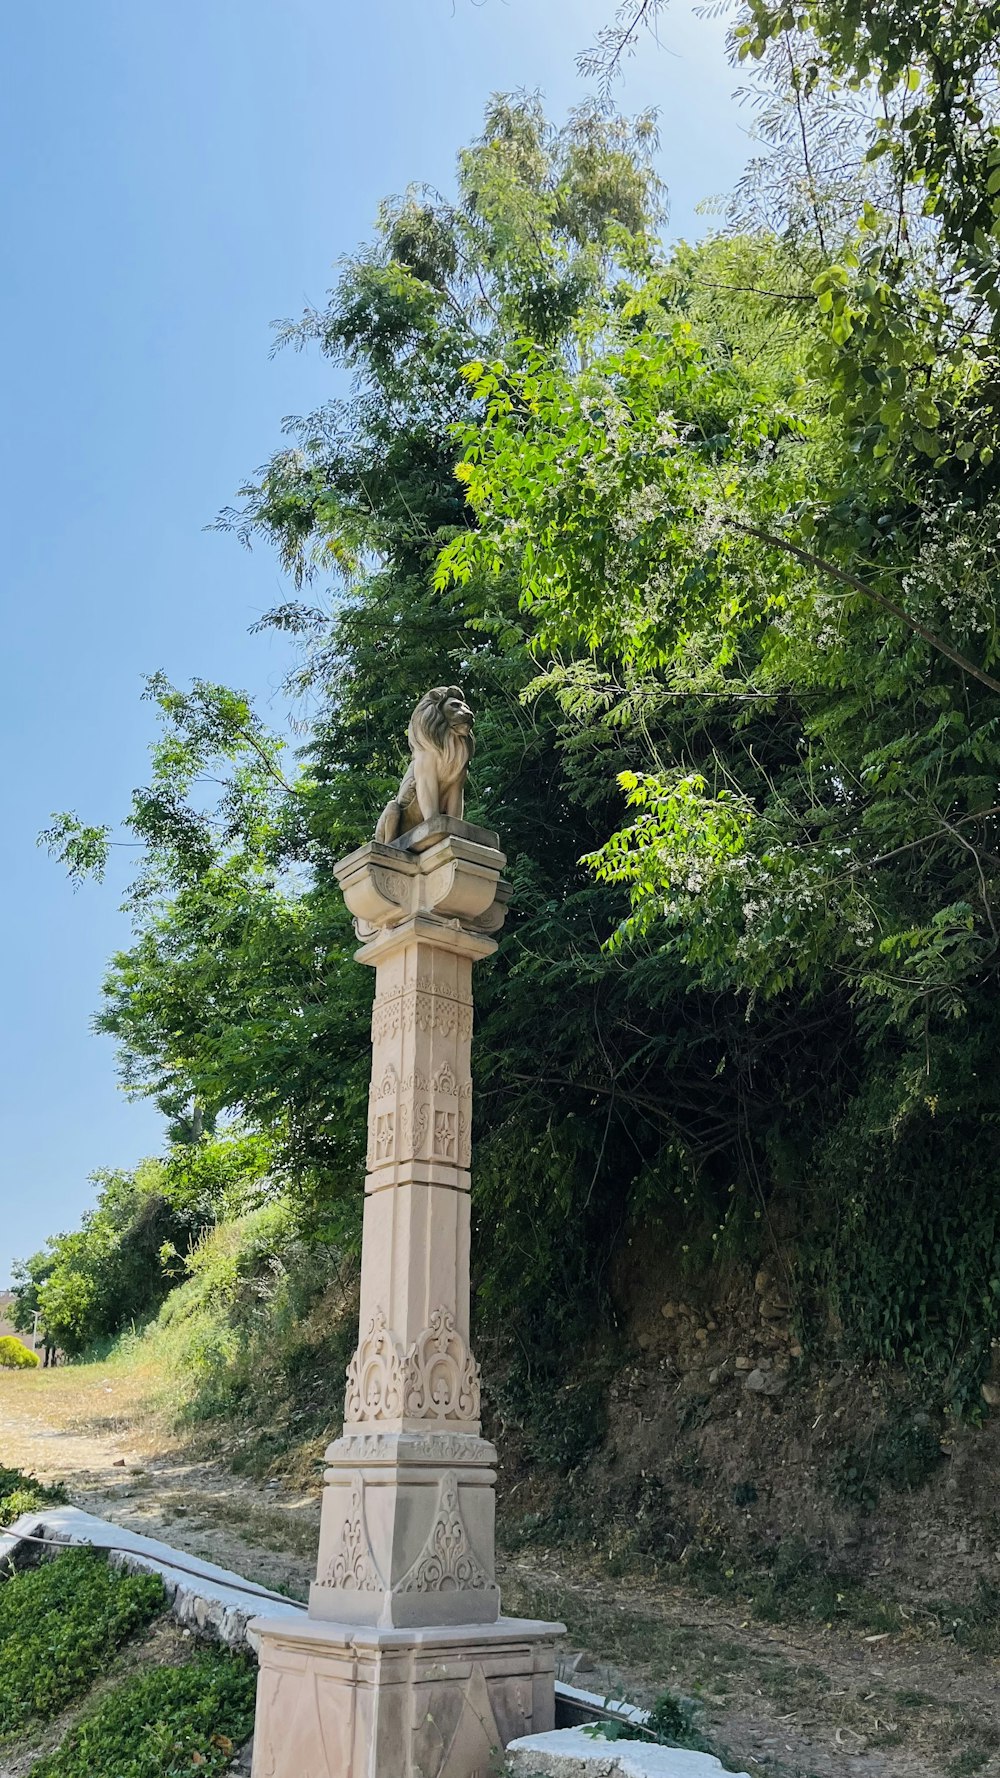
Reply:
x=789, y=1702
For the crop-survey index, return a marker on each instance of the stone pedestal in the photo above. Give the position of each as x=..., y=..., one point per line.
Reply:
x=340, y=1702
x=405, y=1668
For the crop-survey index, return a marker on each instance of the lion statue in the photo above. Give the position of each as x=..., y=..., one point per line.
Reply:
x=440, y=737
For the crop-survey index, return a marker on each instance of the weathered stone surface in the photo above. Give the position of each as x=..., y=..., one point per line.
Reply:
x=765, y=1382
x=570, y=1753
x=408, y=1508
x=441, y=746
x=403, y=1667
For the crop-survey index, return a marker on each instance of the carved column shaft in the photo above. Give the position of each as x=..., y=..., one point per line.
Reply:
x=415, y=1267
x=408, y=1508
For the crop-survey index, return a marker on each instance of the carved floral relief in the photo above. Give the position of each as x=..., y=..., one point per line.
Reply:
x=447, y=1559
x=436, y=1379
x=354, y=1567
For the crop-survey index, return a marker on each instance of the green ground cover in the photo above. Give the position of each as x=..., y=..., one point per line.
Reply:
x=20, y=1493
x=162, y=1723
x=59, y=1625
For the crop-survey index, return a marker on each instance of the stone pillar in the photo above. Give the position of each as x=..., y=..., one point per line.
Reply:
x=404, y=1668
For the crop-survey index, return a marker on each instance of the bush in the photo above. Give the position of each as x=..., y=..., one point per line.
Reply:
x=162, y=1723
x=672, y=1722
x=59, y=1624
x=20, y=1493
x=14, y=1356
x=259, y=1334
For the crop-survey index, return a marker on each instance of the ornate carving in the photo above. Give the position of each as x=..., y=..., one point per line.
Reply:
x=436, y=1379
x=385, y=1135
x=375, y=1375
x=464, y=1140
x=442, y=1377
x=446, y=1135
x=421, y=1120
x=388, y=1084
x=444, y=1082
x=386, y=1018
x=447, y=1560
x=417, y=1083
x=382, y=1123
x=354, y=1567
x=412, y=1447
x=422, y=1008
x=392, y=884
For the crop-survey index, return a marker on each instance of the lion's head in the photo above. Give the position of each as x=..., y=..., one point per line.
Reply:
x=441, y=714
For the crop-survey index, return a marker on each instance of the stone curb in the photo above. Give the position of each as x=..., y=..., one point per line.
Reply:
x=212, y=1600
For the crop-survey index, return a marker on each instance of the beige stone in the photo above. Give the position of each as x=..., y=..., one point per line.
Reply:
x=404, y=1668
x=408, y=1507
x=441, y=746
x=340, y=1702
x=572, y=1753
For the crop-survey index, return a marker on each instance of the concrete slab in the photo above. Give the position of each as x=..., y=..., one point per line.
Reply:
x=569, y=1753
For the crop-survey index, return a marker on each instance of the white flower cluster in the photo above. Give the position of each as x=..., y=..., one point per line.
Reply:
x=956, y=568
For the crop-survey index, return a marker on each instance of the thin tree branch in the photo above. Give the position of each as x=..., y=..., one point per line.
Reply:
x=267, y=763
x=810, y=560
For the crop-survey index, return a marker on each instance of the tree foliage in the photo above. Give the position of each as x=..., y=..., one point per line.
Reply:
x=708, y=538
x=130, y=1249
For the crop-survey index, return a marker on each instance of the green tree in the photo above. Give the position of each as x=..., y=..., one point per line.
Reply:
x=771, y=567
x=240, y=990
x=129, y=1251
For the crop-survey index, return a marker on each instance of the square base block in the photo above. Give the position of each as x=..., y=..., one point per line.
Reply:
x=343, y=1701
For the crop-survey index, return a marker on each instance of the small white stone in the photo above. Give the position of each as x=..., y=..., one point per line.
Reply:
x=570, y=1753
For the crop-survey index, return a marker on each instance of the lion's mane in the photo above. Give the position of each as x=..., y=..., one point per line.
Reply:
x=439, y=747
x=430, y=725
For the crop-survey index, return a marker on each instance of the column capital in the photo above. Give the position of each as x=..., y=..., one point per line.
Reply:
x=444, y=873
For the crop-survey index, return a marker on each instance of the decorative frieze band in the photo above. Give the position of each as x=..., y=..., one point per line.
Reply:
x=437, y=1378
x=422, y=1007
x=434, y=1446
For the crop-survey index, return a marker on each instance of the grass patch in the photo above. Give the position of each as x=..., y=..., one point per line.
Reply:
x=59, y=1624
x=972, y=1760
x=976, y=1624
x=20, y=1493
x=794, y=1587
x=161, y=1724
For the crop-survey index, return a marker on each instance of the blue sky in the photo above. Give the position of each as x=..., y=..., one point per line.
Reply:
x=176, y=174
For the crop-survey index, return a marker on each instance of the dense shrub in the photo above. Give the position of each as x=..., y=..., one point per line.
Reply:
x=59, y=1624
x=20, y=1493
x=160, y=1724
x=259, y=1333
x=14, y=1356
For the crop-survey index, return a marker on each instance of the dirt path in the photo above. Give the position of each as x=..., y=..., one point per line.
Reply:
x=87, y=1432
x=781, y=1702
x=795, y=1701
